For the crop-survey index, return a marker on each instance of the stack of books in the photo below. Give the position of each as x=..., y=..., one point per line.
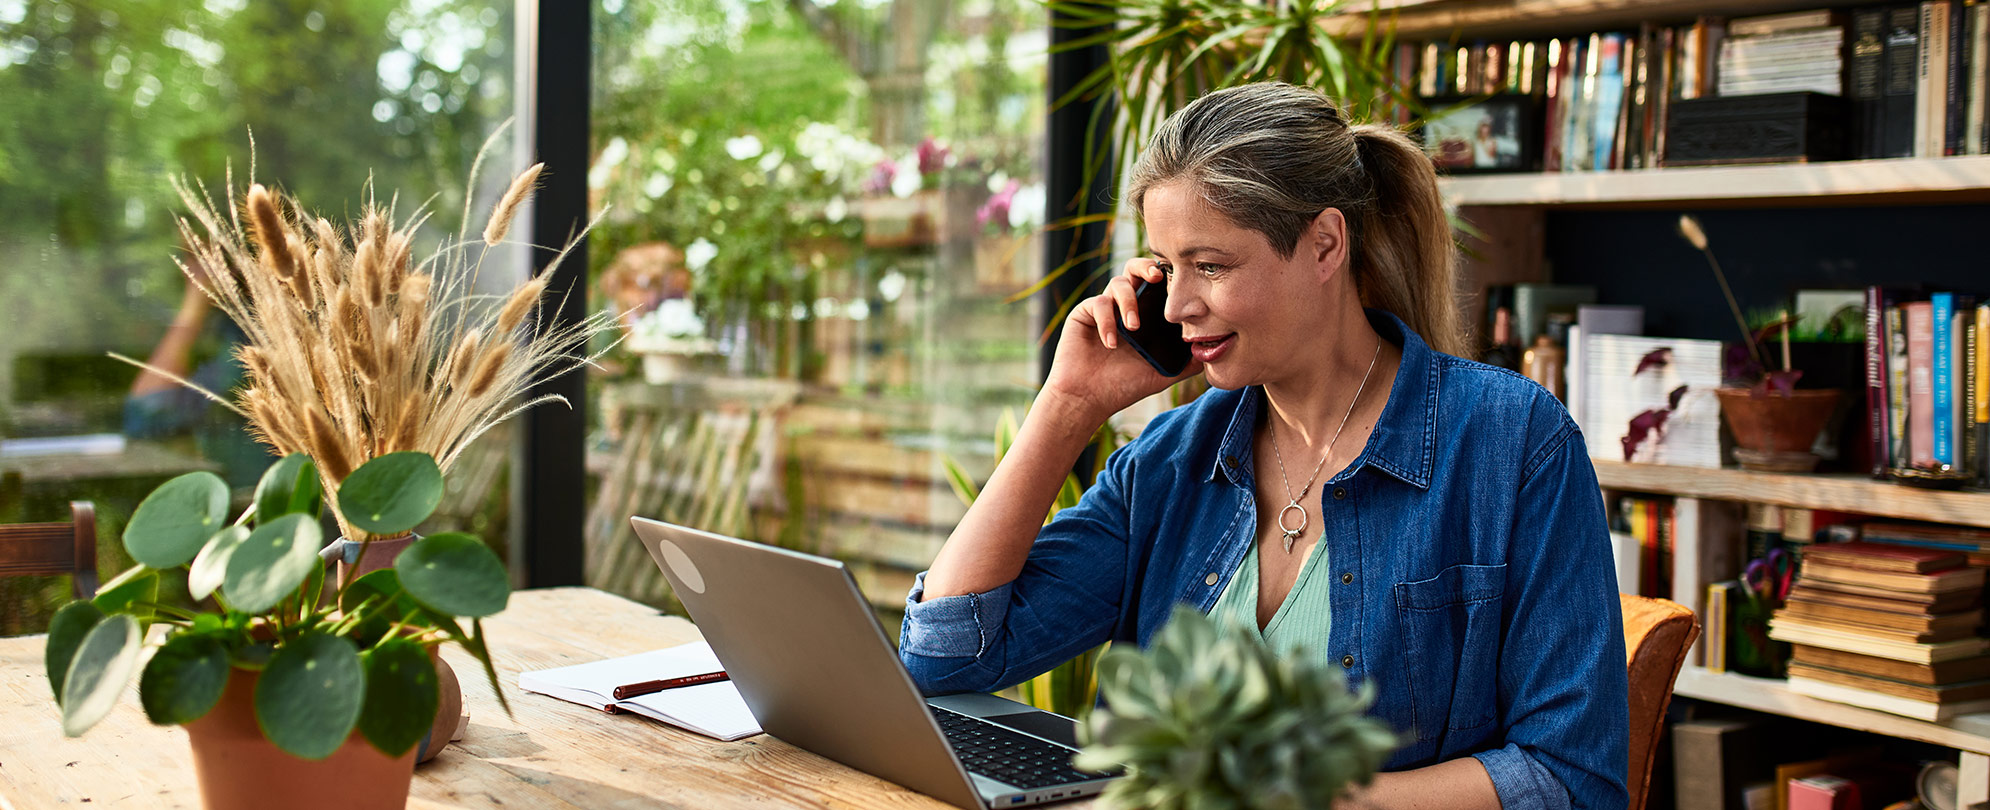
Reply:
x=1783, y=53
x=1927, y=369
x=1889, y=628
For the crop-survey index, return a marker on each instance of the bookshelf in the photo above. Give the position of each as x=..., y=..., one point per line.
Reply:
x=1518, y=18
x=1970, y=732
x=1838, y=493
x=1904, y=181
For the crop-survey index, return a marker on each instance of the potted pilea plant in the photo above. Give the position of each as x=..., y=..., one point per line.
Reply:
x=1208, y=716
x=295, y=691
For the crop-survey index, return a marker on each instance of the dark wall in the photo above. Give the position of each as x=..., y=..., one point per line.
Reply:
x=1638, y=257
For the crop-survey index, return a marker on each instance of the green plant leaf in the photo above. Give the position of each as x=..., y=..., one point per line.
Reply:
x=268, y=566
x=174, y=521
x=456, y=574
x=392, y=493
x=184, y=679
x=962, y=483
x=138, y=584
x=309, y=696
x=402, y=695
x=65, y=634
x=99, y=672
x=289, y=485
x=210, y=568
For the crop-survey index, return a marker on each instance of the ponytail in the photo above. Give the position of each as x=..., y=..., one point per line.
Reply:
x=1404, y=261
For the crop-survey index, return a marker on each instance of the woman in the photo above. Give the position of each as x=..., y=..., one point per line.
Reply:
x=1352, y=490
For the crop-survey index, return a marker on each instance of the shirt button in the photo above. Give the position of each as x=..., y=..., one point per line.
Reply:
x=1346, y=578
x=1230, y=461
x=1347, y=662
x=1340, y=493
x=1209, y=580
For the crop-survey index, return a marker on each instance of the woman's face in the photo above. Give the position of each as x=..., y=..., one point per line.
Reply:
x=1245, y=310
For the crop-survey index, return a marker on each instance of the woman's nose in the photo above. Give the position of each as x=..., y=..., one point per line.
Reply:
x=1183, y=302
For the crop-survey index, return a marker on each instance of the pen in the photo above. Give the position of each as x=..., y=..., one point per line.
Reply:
x=647, y=687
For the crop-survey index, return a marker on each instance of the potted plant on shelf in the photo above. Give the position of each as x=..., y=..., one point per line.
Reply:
x=1774, y=423
x=295, y=692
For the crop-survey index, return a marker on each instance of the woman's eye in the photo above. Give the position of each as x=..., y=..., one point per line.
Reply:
x=1209, y=269
x=1167, y=270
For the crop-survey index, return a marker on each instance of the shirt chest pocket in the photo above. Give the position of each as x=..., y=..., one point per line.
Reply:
x=1451, y=633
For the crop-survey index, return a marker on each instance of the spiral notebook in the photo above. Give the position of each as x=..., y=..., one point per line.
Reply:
x=711, y=709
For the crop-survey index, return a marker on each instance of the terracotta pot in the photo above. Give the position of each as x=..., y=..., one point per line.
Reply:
x=449, y=716
x=239, y=768
x=1774, y=432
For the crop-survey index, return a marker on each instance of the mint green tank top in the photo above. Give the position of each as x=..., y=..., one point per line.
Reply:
x=1299, y=627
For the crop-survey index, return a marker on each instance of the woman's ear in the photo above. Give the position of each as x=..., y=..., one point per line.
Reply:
x=1326, y=241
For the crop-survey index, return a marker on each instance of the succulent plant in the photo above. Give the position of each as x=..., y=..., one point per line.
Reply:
x=1210, y=717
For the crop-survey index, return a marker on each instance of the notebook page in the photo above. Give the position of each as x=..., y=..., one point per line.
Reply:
x=711, y=709
x=593, y=683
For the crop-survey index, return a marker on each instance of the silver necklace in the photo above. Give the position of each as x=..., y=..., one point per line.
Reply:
x=1292, y=534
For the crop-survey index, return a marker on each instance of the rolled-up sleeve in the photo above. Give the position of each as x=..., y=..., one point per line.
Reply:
x=1566, y=714
x=1066, y=600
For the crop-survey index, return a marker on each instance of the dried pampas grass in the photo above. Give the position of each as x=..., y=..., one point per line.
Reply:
x=353, y=349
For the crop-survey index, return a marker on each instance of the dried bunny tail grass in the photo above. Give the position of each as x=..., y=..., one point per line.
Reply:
x=267, y=223
x=328, y=446
x=413, y=305
x=507, y=207
x=521, y=303
x=366, y=260
x=399, y=255
x=272, y=420
x=463, y=357
x=488, y=367
x=300, y=279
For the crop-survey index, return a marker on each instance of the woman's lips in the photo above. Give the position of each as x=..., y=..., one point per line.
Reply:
x=1209, y=350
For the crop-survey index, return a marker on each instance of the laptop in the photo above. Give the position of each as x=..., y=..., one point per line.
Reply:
x=813, y=664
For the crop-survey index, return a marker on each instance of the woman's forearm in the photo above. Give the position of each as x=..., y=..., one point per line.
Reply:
x=1459, y=784
x=174, y=354
x=988, y=547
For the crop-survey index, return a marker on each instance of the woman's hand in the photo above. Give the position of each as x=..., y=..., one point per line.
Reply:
x=1093, y=367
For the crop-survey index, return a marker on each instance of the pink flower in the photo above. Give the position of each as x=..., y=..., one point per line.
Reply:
x=932, y=156
x=881, y=176
x=996, y=209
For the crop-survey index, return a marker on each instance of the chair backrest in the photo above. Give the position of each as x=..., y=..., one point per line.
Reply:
x=44, y=549
x=1657, y=633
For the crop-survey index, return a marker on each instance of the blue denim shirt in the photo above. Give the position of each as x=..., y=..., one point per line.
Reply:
x=1472, y=585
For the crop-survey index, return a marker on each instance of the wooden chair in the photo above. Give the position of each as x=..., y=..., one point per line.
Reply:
x=43, y=549
x=1657, y=633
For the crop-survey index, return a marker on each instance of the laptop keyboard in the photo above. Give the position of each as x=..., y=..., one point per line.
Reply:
x=1008, y=756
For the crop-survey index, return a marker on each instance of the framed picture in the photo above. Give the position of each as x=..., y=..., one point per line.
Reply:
x=1467, y=135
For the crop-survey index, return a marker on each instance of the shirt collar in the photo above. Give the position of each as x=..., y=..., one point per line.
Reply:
x=1405, y=438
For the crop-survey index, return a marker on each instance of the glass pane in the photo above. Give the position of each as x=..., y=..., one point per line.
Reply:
x=111, y=99
x=816, y=214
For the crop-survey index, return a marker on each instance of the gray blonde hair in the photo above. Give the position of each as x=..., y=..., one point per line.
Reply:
x=1272, y=156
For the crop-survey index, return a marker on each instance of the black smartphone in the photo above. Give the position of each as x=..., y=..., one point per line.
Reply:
x=1158, y=341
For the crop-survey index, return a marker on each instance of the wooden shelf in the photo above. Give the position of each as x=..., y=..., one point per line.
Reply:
x=1970, y=732
x=1905, y=181
x=1442, y=19
x=1841, y=493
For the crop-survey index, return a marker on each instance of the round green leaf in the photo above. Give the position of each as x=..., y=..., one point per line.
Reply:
x=289, y=485
x=184, y=679
x=210, y=568
x=268, y=566
x=98, y=674
x=402, y=696
x=139, y=584
x=391, y=494
x=174, y=521
x=65, y=634
x=456, y=574
x=309, y=696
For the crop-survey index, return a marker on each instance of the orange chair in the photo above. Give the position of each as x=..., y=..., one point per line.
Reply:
x=1657, y=633
x=42, y=549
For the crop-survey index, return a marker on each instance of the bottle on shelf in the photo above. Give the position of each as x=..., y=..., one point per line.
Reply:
x=1543, y=364
x=1503, y=352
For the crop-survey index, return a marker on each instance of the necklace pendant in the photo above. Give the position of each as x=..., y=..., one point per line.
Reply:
x=1289, y=537
x=1292, y=532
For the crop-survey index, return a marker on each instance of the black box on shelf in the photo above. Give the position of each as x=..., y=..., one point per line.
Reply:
x=1773, y=128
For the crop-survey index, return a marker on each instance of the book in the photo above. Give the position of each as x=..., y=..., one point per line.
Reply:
x=1781, y=629
x=1877, y=701
x=1884, y=557
x=1823, y=792
x=1969, y=390
x=1839, y=592
x=1613, y=394
x=1900, y=58
x=711, y=709
x=1779, y=23
x=1954, y=83
x=1931, y=105
x=1718, y=622
x=1982, y=420
x=1949, y=693
x=1951, y=625
x=1941, y=316
x=1935, y=582
x=1975, y=76
x=1952, y=631
x=1953, y=538
x=1940, y=672
x=1876, y=395
x=1896, y=386
x=1920, y=383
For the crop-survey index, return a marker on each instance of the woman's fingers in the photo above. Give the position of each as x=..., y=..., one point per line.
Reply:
x=1120, y=290
x=1144, y=269
x=1103, y=318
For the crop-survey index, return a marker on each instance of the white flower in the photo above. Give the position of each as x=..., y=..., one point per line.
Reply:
x=744, y=147
x=1026, y=210
x=891, y=286
x=837, y=209
x=772, y=160
x=907, y=180
x=699, y=254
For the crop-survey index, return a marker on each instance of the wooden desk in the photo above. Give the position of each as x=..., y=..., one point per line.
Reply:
x=551, y=754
